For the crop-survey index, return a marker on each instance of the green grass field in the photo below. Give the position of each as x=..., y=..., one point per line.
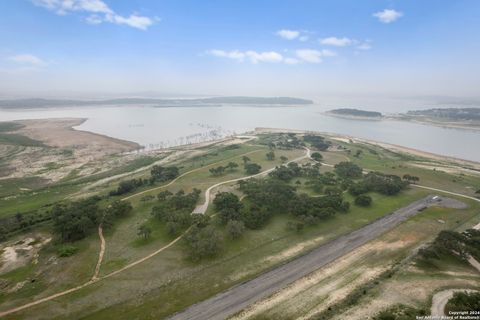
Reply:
x=169, y=281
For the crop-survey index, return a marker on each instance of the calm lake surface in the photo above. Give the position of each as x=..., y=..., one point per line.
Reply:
x=163, y=127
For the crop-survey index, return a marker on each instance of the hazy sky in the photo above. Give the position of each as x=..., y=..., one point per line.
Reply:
x=250, y=47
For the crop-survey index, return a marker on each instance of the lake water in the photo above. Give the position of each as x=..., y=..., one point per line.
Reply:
x=163, y=127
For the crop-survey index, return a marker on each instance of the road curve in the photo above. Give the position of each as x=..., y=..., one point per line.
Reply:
x=238, y=297
x=202, y=208
x=440, y=300
x=184, y=174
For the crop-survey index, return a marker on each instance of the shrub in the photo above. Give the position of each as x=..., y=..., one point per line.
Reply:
x=66, y=251
x=363, y=200
x=235, y=229
x=252, y=168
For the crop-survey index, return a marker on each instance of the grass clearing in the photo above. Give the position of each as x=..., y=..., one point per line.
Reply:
x=168, y=282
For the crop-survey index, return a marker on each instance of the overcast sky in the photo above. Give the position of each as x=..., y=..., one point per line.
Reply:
x=305, y=48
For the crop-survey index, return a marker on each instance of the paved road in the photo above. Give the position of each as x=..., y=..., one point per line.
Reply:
x=238, y=297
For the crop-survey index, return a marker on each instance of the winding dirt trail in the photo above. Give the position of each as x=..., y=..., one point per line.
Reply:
x=204, y=207
x=187, y=173
x=100, y=254
x=201, y=209
x=96, y=278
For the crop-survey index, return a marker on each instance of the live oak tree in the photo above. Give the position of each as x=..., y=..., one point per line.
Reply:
x=363, y=200
x=232, y=166
x=252, y=168
x=144, y=231
x=235, y=229
x=317, y=156
x=270, y=155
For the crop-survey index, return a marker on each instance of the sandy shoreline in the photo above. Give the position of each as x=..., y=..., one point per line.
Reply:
x=447, y=125
x=60, y=132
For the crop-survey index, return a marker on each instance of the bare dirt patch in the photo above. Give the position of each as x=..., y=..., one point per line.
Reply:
x=317, y=291
x=20, y=253
x=65, y=149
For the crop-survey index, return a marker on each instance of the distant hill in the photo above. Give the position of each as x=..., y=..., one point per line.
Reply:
x=355, y=113
x=45, y=103
x=448, y=114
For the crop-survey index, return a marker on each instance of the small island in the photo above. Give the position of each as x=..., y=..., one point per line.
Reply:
x=355, y=113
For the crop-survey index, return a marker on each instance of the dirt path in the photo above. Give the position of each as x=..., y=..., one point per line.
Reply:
x=444, y=191
x=100, y=254
x=186, y=173
x=201, y=209
x=440, y=300
x=474, y=263
x=95, y=278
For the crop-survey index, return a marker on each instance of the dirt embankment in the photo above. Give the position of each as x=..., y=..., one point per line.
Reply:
x=63, y=150
x=60, y=133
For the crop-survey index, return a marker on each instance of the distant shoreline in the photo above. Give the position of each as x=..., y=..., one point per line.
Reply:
x=418, y=120
x=352, y=117
x=432, y=122
x=203, y=102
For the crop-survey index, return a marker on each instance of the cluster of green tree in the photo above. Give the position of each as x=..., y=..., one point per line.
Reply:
x=348, y=170
x=463, y=301
x=410, y=178
x=203, y=240
x=313, y=209
x=400, y=312
x=128, y=186
x=318, y=182
x=356, y=113
x=175, y=209
x=218, y=171
x=317, y=156
x=376, y=181
x=285, y=141
x=318, y=142
x=157, y=173
x=116, y=210
x=448, y=242
x=291, y=141
x=162, y=174
x=22, y=222
x=75, y=220
x=252, y=168
x=271, y=196
x=286, y=173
